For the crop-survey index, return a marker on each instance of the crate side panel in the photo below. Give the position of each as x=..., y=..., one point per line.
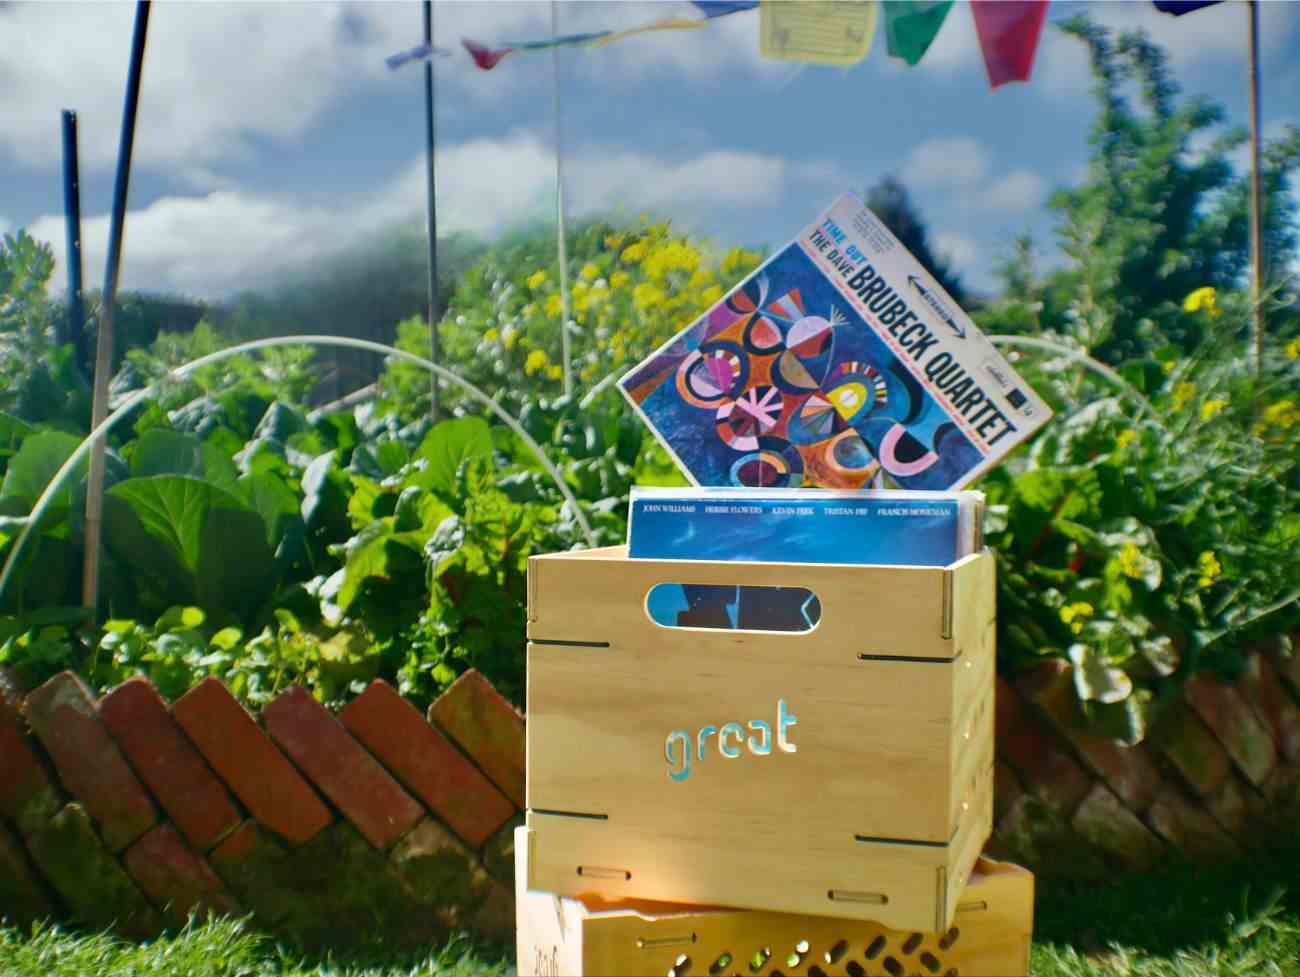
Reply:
x=989, y=935
x=965, y=850
x=609, y=731
x=893, y=611
x=577, y=858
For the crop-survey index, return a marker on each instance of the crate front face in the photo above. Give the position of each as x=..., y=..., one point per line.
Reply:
x=779, y=739
x=989, y=934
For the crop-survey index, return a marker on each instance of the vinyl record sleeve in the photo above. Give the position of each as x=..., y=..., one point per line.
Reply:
x=837, y=359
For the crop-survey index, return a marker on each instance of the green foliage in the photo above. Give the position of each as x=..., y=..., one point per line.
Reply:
x=39, y=380
x=631, y=288
x=1160, y=214
x=222, y=947
x=1238, y=919
x=1145, y=549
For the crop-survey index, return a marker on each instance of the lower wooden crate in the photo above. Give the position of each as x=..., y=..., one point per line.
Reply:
x=557, y=935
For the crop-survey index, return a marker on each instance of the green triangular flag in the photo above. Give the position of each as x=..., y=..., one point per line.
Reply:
x=911, y=25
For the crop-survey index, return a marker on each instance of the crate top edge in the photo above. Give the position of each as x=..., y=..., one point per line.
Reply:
x=618, y=554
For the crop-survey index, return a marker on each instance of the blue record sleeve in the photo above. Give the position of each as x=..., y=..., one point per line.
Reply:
x=803, y=526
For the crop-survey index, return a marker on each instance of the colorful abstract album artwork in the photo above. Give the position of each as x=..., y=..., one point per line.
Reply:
x=838, y=358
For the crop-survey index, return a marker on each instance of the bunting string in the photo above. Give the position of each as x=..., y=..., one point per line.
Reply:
x=840, y=33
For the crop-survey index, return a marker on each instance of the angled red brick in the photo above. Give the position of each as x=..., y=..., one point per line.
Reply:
x=244, y=757
x=1260, y=686
x=426, y=763
x=487, y=727
x=1006, y=789
x=23, y=897
x=1103, y=820
x=1248, y=742
x=168, y=763
x=1127, y=770
x=1191, y=748
x=349, y=776
x=26, y=794
x=1030, y=747
x=90, y=881
x=1188, y=827
x=257, y=869
x=499, y=853
x=92, y=768
x=1288, y=665
x=176, y=880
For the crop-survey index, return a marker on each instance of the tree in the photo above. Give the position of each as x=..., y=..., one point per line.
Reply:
x=1161, y=214
x=890, y=201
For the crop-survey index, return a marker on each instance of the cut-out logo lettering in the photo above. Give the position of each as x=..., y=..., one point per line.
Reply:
x=682, y=750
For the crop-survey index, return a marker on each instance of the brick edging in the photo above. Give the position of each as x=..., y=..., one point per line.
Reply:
x=1217, y=775
x=375, y=825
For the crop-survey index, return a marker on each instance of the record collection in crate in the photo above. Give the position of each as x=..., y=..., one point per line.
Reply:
x=760, y=735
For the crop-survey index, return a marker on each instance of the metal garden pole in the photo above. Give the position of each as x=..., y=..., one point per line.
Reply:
x=104, y=339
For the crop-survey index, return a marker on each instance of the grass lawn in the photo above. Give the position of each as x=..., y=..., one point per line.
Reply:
x=1241, y=920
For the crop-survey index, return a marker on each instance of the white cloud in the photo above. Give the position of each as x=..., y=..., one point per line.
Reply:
x=211, y=244
x=959, y=249
x=1019, y=190
x=1207, y=39
x=957, y=161
x=219, y=79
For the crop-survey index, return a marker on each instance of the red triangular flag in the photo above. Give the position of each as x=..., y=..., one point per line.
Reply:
x=1008, y=32
x=485, y=57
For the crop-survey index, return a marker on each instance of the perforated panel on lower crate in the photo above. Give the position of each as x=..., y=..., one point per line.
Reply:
x=887, y=954
x=990, y=934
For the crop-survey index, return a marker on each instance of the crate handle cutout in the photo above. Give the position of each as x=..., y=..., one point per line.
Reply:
x=654, y=942
x=847, y=895
x=596, y=872
x=734, y=607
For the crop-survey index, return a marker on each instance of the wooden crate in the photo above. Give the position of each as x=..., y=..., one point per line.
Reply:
x=879, y=812
x=990, y=934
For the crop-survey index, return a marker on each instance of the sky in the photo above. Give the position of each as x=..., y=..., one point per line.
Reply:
x=271, y=134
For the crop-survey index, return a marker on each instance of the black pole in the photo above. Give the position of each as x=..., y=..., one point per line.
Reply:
x=104, y=339
x=431, y=213
x=75, y=330
x=1256, y=201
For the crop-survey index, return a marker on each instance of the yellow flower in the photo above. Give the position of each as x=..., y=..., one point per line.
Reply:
x=1202, y=300
x=1168, y=365
x=634, y=252
x=1183, y=392
x=491, y=336
x=554, y=372
x=1076, y=615
x=589, y=271
x=1130, y=560
x=1282, y=415
x=510, y=336
x=673, y=256
x=613, y=241
x=1293, y=349
x=738, y=258
x=701, y=278
x=618, y=279
x=1212, y=407
x=710, y=295
x=1209, y=566
x=1125, y=438
x=645, y=296
x=536, y=361
x=554, y=306
x=537, y=279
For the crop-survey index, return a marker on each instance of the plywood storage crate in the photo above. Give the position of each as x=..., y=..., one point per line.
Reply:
x=878, y=804
x=990, y=934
